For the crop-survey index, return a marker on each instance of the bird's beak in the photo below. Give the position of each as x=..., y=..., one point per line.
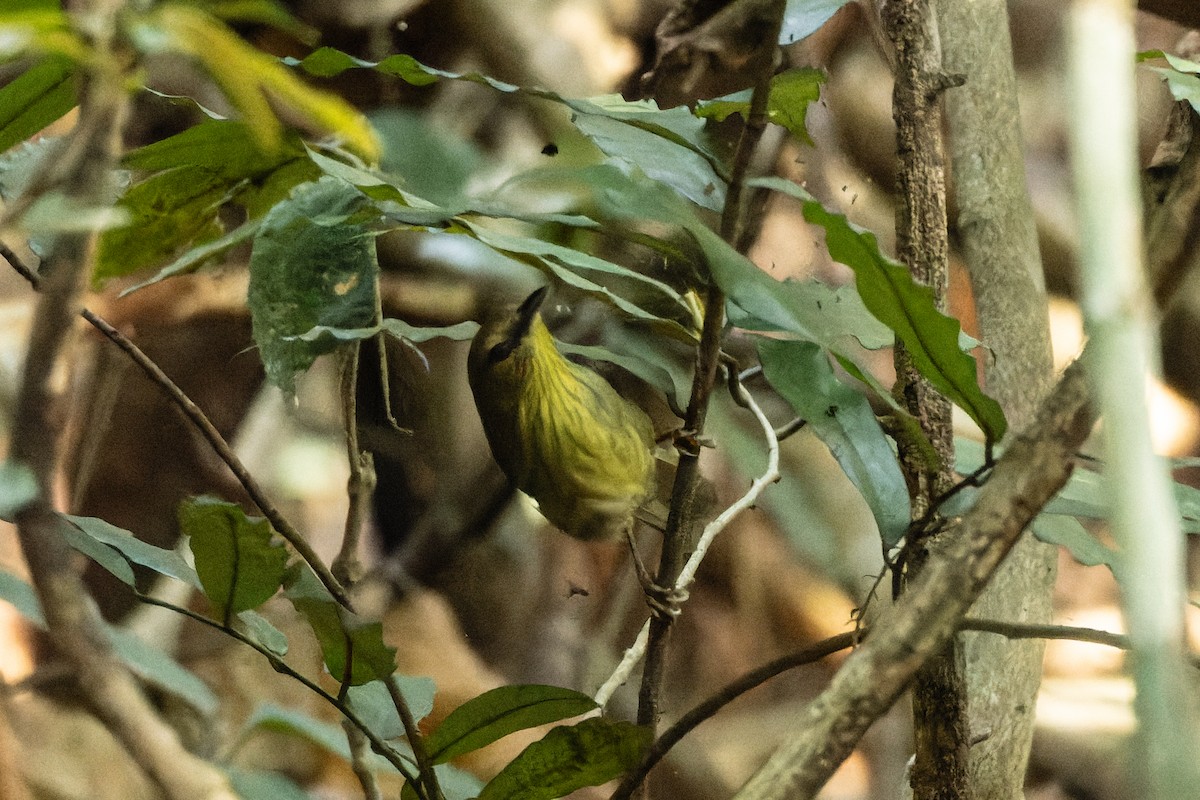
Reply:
x=528, y=310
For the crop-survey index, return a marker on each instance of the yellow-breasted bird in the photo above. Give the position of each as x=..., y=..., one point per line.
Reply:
x=560, y=432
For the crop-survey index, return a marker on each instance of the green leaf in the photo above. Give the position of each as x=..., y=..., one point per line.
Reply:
x=373, y=703
x=499, y=712
x=254, y=785
x=18, y=488
x=195, y=174
x=198, y=256
x=436, y=164
x=346, y=639
x=575, y=268
x=163, y=561
x=844, y=421
x=264, y=12
x=239, y=560
x=1184, y=86
x=663, y=160
x=34, y=28
x=37, y=97
x=787, y=105
x=313, y=264
x=260, y=630
x=270, y=717
x=908, y=308
x=568, y=758
x=811, y=310
x=108, y=558
x=252, y=80
x=663, y=374
x=156, y=667
x=676, y=125
x=1066, y=531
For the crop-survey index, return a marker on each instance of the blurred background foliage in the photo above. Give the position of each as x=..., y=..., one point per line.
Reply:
x=475, y=591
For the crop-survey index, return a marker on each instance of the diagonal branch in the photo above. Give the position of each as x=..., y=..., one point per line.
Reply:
x=206, y=428
x=1031, y=471
x=74, y=624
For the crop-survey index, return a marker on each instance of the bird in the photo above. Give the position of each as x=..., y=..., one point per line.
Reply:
x=559, y=431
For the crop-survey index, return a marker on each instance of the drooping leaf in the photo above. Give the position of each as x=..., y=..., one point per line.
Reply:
x=590, y=753
x=677, y=125
x=1066, y=531
x=576, y=269
x=39, y=27
x=1181, y=77
x=352, y=647
x=313, y=264
x=674, y=165
x=148, y=662
x=37, y=97
x=239, y=560
x=844, y=421
x=198, y=256
x=435, y=163
x=108, y=558
x=908, y=308
x=327, y=336
x=163, y=561
x=664, y=375
x=499, y=712
x=264, y=12
x=271, y=717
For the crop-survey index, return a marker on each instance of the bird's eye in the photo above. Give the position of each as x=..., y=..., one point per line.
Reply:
x=502, y=351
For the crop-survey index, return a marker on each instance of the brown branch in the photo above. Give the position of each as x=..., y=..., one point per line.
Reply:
x=73, y=623
x=1031, y=471
x=427, y=777
x=941, y=727
x=380, y=746
x=709, y=707
x=205, y=426
x=678, y=540
x=361, y=483
x=997, y=239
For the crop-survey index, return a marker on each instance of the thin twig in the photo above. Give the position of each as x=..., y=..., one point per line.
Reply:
x=687, y=574
x=358, y=762
x=427, y=776
x=74, y=625
x=681, y=518
x=208, y=430
x=361, y=483
x=380, y=746
x=827, y=647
